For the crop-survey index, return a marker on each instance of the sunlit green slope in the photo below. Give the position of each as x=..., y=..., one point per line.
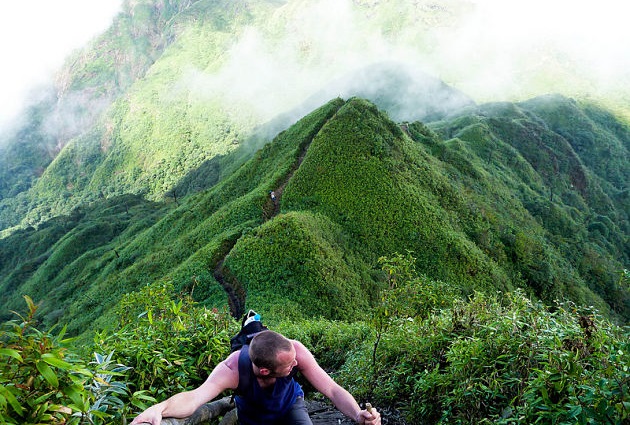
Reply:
x=479, y=207
x=173, y=86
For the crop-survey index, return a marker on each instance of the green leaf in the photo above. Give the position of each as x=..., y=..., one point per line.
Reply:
x=8, y=395
x=83, y=371
x=98, y=358
x=41, y=399
x=142, y=396
x=62, y=333
x=29, y=302
x=48, y=374
x=11, y=353
x=75, y=396
x=574, y=411
x=53, y=360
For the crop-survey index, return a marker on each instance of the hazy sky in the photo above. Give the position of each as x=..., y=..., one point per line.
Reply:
x=593, y=36
x=37, y=35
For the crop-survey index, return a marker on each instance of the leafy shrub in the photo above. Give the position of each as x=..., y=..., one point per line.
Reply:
x=40, y=381
x=111, y=399
x=43, y=381
x=329, y=341
x=171, y=344
x=501, y=359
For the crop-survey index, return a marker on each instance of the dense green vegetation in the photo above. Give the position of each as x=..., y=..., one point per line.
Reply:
x=499, y=359
x=87, y=85
x=353, y=186
x=505, y=263
x=42, y=380
x=135, y=217
x=423, y=349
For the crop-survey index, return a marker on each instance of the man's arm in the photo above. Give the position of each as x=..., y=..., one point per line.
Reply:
x=341, y=398
x=224, y=376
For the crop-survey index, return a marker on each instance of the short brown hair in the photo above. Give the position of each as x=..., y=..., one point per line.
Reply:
x=264, y=349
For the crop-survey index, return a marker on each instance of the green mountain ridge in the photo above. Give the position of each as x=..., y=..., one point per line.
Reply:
x=352, y=186
x=85, y=87
x=448, y=258
x=160, y=181
x=168, y=89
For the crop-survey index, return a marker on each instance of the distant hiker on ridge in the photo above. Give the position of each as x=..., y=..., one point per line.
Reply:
x=270, y=396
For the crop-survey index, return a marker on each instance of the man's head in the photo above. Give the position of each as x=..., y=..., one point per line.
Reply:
x=273, y=354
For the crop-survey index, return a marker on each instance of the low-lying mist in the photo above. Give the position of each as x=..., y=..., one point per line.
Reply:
x=488, y=50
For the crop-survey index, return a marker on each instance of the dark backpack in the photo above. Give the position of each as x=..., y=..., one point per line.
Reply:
x=250, y=327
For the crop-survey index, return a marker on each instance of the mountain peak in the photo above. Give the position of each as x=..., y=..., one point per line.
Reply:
x=404, y=92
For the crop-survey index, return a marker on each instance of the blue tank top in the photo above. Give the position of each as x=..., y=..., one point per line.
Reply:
x=262, y=406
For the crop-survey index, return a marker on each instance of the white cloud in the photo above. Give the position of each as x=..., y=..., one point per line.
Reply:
x=503, y=41
x=323, y=41
x=496, y=50
x=485, y=53
x=35, y=38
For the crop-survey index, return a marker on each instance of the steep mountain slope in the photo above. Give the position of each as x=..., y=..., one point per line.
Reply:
x=574, y=206
x=473, y=205
x=270, y=155
x=84, y=89
x=87, y=141
x=185, y=245
x=173, y=86
x=153, y=160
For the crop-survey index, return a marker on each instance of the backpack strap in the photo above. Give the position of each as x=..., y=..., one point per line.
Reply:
x=244, y=370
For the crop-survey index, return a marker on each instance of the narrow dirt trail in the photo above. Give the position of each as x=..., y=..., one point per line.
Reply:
x=280, y=189
x=234, y=290
x=321, y=412
x=235, y=293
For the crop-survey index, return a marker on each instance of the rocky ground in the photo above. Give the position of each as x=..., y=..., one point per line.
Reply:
x=323, y=413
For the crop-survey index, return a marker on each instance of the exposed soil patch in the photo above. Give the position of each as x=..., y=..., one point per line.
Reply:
x=323, y=413
x=235, y=292
x=236, y=297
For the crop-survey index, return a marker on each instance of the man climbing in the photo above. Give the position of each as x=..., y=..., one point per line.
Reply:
x=267, y=393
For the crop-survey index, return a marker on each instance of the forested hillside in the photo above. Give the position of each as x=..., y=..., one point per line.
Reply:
x=467, y=199
x=131, y=172
x=492, y=199
x=152, y=164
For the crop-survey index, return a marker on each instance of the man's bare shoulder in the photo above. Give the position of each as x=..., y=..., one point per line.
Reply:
x=223, y=376
x=231, y=362
x=299, y=347
x=303, y=355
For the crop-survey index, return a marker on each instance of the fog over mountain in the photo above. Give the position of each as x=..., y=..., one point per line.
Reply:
x=430, y=170
x=239, y=65
x=489, y=49
x=508, y=45
x=35, y=38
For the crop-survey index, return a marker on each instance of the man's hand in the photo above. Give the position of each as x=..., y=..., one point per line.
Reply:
x=372, y=417
x=152, y=416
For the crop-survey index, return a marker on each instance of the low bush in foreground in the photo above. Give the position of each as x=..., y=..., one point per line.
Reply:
x=170, y=342
x=500, y=359
x=42, y=381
